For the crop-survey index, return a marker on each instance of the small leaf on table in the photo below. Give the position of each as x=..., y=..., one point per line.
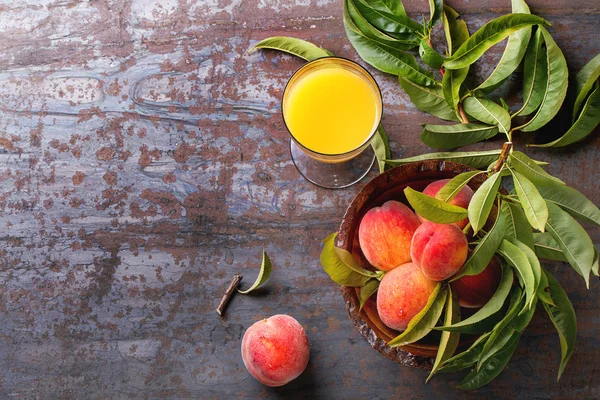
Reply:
x=429, y=56
x=297, y=47
x=449, y=340
x=341, y=266
x=482, y=202
x=381, y=147
x=433, y=209
x=263, y=274
x=475, y=159
x=452, y=136
x=377, y=15
x=436, y=8
x=584, y=81
x=487, y=111
x=429, y=99
x=532, y=202
x=535, y=75
x=455, y=29
x=367, y=291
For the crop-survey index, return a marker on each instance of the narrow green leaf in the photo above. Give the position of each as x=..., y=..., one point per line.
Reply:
x=452, y=136
x=488, y=35
x=534, y=263
x=490, y=308
x=513, y=52
x=432, y=209
x=485, y=249
x=451, y=84
x=482, y=202
x=584, y=125
x=517, y=225
x=429, y=99
x=517, y=259
x=455, y=29
x=297, y=47
x=527, y=167
x=386, y=21
x=564, y=320
x=381, y=148
x=455, y=185
x=466, y=358
x=492, y=368
x=573, y=202
x=546, y=247
x=532, y=202
x=487, y=111
x=522, y=320
x=436, y=8
x=572, y=239
x=449, y=340
x=367, y=291
x=263, y=274
x=535, y=75
x=596, y=263
x=390, y=6
x=425, y=320
x=475, y=159
x=429, y=56
x=584, y=81
x=556, y=86
x=543, y=292
x=345, y=271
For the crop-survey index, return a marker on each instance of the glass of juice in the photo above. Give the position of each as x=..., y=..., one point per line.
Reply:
x=332, y=108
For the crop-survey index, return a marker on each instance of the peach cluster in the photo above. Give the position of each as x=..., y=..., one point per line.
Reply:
x=416, y=254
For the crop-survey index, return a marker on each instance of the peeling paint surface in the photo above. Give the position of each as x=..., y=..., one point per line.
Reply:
x=144, y=162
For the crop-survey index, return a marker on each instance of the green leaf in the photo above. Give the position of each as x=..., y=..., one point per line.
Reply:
x=263, y=274
x=297, y=47
x=492, y=368
x=584, y=125
x=367, y=291
x=475, y=159
x=455, y=185
x=452, y=136
x=584, y=81
x=596, y=263
x=556, y=86
x=456, y=30
x=432, y=209
x=532, y=202
x=488, y=35
x=429, y=99
x=341, y=266
x=449, y=340
x=517, y=225
x=490, y=308
x=451, y=84
x=436, y=8
x=485, y=249
x=528, y=168
x=572, y=239
x=386, y=21
x=390, y=6
x=487, y=111
x=513, y=52
x=381, y=147
x=546, y=247
x=573, y=202
x=466, y=358
x=535, y=75
x=429, y=56
x=564, y=320
x=425, y=320
x=357, y=22
x=515, y=254
x=543, y=292
x=482, y=202
x=524, y=318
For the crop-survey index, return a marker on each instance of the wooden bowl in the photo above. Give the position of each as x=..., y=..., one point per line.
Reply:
x=390, y=186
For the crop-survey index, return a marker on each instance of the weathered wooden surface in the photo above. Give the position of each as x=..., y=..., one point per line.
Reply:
x=144, y=162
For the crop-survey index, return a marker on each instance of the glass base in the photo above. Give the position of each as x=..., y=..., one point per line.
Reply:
x=332, y=176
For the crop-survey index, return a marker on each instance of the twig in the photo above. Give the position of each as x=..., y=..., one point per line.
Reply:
x=228, y=293
x=506, y=148
x=463, y=116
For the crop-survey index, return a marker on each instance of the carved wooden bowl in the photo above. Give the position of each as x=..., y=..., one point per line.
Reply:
x=390, y=186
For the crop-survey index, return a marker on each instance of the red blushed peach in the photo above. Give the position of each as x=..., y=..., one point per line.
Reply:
x=439, y=250
x=385, y=233
x=462, y=199
x=275, y=350
x=476, y=290
x=402, y=293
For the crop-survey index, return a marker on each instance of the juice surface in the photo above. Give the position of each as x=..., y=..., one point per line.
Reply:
x=331, y=110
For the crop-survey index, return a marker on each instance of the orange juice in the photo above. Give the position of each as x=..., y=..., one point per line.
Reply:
x=332, y=109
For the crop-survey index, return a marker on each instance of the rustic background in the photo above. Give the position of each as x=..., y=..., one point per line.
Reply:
x=143, y=162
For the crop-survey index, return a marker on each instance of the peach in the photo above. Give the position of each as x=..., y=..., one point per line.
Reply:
x=385, y=233
x=462, y=199
x=476, y=290
x=402, y=293
x=275, y=350
x=440, y=250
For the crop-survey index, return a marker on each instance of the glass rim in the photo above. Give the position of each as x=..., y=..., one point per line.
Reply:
x=370, y=137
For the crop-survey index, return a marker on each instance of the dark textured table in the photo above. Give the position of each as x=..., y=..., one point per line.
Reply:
x=144, y=162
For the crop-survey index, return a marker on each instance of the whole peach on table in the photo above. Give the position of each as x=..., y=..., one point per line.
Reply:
x=402, y=293
x=440, y=250
x=275, y=350
x=385, y=233
x=476, y=290
x=462, y=199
